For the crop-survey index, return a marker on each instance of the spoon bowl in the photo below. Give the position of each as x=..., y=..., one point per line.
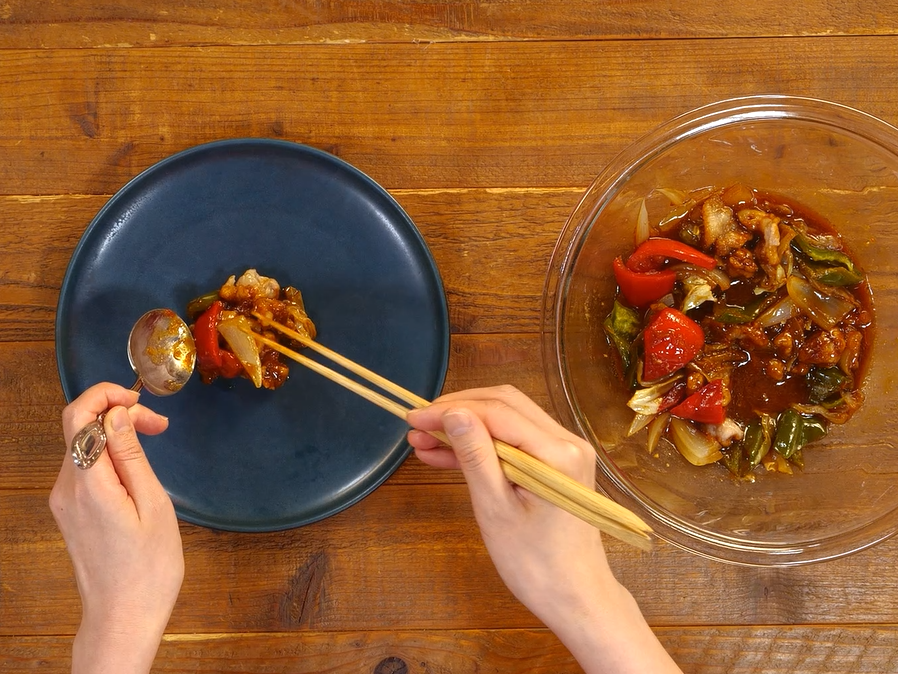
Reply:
x=162, y=354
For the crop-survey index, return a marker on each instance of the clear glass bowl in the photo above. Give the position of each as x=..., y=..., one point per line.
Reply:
x=840, y=163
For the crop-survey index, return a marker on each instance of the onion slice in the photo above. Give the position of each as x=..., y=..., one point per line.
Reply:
x=647, y=401
x=779, y=313
x=696, y=447
x=825, y=310
x=236, y=333
x=642, y=224
x=656, y=430
x=639, y=422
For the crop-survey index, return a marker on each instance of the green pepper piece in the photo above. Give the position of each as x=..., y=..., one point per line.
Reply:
x=811, y=430
x=824, y=382
x=797, y=458
x=734, y=460
x=788, y=433
x=198, y=305
x=830, y=257
x=754, y=444
x=833, y=275
x=622, y=327
x=732, y=314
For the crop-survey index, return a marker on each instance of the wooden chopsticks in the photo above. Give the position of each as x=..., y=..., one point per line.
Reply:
x=520, y=468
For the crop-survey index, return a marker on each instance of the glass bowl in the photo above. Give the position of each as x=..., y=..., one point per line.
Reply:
x=839, y=163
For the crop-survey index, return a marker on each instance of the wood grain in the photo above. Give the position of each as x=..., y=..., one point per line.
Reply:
x=328, y=653
x=410, y=557
x=413, y=116
x=83, y=24
x=780, y=650
x=486, y=120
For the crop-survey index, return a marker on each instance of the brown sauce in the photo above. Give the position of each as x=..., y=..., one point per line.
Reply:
x=754, y=392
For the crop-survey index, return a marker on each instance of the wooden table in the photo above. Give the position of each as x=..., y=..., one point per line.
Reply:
x=486, y=121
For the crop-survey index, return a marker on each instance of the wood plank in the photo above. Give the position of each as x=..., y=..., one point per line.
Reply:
x=31, y=402
x=81, y=23
x=377, y=652
x=844, y=649
x=728, y=650
x=548, y=114
x=410, y=557
x=492, y=249
x=358, y=570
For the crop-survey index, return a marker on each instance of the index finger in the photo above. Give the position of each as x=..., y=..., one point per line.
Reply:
x=91, y=404
x=565, y=452
x=516, y=400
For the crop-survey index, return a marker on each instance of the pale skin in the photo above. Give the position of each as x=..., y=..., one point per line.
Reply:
x=122, y=534
x=551, y=561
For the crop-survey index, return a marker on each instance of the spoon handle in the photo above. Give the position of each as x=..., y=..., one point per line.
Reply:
x=89, y=443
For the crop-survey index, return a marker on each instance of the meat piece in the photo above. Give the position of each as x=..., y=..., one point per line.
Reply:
x=850, y=359
x=741, y=262
x=726, y=432
x=250, y=286
x=750, y=334
x=784, y=345
x=274, y=372
x=775, y=369
x=823, y=347
x=721, y=231
x=767, y=225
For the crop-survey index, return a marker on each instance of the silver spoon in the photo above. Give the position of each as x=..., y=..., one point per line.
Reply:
x=162, y=354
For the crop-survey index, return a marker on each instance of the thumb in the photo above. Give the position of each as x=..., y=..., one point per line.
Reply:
x=477, y=458
x=128, y=457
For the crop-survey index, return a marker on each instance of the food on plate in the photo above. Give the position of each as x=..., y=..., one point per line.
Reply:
x=222, y=318
x=742, y=324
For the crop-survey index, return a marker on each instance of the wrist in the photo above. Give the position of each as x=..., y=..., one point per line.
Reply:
x=111, y=645
x=606, y=632
x=595, y=608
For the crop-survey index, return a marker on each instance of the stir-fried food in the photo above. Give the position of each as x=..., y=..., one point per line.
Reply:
x=223, y=318
x=742, y=324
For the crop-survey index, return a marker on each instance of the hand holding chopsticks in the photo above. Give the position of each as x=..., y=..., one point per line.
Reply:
x=519, y=467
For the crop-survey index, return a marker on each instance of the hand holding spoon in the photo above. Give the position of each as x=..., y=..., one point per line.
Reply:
x=162, y=354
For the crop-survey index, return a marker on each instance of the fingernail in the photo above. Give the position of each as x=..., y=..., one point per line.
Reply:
x=121, y=421
x=456, y=423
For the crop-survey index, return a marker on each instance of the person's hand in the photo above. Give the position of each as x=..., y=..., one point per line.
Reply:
x=547, y=557
x=122, y=535
x=553, y=562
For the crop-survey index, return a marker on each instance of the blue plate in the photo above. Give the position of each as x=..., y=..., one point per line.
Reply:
x=234, y=457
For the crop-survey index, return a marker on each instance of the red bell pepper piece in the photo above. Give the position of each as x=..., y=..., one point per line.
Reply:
x=641, y=289
x=205, y=335
x=705, y=405
x=230, y=365
x=212, y=361
x=651, y=254
x=671, y=339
